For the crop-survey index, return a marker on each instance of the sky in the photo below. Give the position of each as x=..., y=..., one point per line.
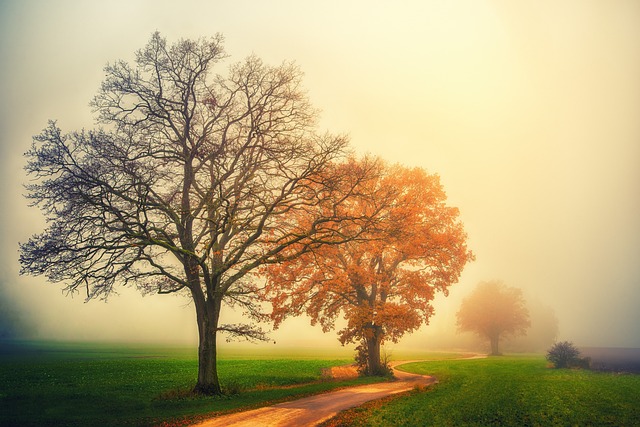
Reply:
x=528, y=111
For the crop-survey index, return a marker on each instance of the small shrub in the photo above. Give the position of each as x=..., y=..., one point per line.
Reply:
x=566, y=355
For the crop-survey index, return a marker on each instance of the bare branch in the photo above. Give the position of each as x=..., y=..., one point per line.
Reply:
x=189, y=185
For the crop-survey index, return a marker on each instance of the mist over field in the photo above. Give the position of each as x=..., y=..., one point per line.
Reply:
x=528, y=111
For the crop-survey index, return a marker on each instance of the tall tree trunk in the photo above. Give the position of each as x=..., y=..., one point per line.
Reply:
x=374, y=365
x=207, y=313
x=495, y=339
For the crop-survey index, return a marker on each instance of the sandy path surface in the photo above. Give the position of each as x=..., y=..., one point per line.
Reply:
x=313, y=410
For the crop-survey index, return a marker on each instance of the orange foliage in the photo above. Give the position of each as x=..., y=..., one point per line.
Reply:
x=494, y=311
x=384, y=280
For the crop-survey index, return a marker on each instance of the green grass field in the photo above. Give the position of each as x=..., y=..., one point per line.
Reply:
x=94, y=384
x=100, y=384
x=507, y=391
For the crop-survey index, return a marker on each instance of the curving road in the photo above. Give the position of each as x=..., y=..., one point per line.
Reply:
x=313, y=410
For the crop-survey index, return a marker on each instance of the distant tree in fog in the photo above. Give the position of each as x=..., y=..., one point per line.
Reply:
x=494, y=311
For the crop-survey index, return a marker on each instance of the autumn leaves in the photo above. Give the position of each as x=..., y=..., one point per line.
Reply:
x=411, y=245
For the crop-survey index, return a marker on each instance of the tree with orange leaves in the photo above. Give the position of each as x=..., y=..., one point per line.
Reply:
x=494, y=310
x=384, y=281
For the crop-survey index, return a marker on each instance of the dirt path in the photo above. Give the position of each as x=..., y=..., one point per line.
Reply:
x=313, y=410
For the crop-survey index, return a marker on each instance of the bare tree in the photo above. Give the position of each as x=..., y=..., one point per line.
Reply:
x=185, y=186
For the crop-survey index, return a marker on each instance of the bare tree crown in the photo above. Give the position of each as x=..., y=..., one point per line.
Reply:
x=184, y=185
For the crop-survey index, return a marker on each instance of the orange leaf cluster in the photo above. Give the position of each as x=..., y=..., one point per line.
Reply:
x=411, y=246
x=493, y=310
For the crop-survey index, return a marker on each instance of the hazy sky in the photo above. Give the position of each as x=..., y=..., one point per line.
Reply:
x=528, y=110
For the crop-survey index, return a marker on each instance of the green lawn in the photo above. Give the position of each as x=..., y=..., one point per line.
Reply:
x=88, y=384
x=71, y=384
x=507, y=391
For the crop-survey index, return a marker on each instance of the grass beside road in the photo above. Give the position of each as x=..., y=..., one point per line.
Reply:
x=507, y=391
x=89, y=384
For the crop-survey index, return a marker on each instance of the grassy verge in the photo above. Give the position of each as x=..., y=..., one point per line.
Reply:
x=69, y=385
x=506, y=391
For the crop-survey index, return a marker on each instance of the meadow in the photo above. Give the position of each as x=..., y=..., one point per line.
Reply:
x=506, y=391
x=57, y=384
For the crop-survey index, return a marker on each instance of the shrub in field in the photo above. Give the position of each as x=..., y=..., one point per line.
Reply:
x=565, y=355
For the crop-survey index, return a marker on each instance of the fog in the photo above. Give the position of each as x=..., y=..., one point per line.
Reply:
x=529, y=111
